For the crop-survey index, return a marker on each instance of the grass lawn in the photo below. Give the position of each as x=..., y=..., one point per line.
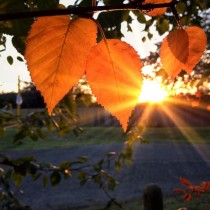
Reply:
x=108, y=135
x=170, y=203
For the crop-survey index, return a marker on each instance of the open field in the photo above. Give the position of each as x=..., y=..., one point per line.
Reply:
x=108, y=135
x=170, y=203
x=113, y=135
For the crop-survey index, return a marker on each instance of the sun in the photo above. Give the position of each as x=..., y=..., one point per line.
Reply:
x=152, y=91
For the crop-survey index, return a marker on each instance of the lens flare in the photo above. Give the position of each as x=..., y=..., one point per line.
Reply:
x=153, y=92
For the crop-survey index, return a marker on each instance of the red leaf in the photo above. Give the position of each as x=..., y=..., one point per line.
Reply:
x=184, y=181
x=187, y=197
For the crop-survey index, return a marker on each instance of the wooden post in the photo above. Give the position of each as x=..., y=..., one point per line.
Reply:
x=153, y=197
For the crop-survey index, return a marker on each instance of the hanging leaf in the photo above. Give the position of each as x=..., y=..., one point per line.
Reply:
x=158, y=11
x=113, y=73
x=197, y=46
x=56, y=53
x=174, y=51
x=182, y=50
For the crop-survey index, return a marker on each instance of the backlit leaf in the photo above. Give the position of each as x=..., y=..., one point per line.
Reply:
x=158, y=11
x=56, y=53
x=113, y=73
x=174, y=51
x=182, y=50
x=197, y=46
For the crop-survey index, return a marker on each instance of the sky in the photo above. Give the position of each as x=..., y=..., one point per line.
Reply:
x=9, y=73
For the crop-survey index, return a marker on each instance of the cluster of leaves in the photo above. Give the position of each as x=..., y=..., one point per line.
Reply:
x=191, y=189
x=60, y=82
x=111, y=66
x=6, y=118
x=13, y=171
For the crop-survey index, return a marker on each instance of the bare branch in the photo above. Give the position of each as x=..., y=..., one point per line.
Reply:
x=84, y=10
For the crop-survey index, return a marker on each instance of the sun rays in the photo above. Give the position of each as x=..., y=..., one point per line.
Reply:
x=172, y=105
x=152, y=91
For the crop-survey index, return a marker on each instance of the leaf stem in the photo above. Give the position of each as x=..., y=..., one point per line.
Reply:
x=82, y=10
x=176, y=16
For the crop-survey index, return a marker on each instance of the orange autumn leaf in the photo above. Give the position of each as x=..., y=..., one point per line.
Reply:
x=56, y=52
x=174, y=51
x=197, y=46
x=113, y=73
x=182, y=50
x=158, y=11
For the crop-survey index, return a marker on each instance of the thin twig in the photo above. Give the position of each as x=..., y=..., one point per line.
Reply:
x=83, y=10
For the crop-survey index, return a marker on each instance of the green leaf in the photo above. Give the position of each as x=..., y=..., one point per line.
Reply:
x=111, y=22
x=140, y=16
x=65, y=165
x=10, y=59
x=2, y=196
x=46, y=4
x=1, y=171
x=96, y=178
x=36, y=176
x=202, y=4
x=32, y=168
x=19, y=43
x=82, y=177
x=20, y=59
x=45, y=181
x=117, y=165
x=111, y=2
x=181, y=7
x=21, y=134
x=17, y=178
x=143, y=39
x=162, y=25
x=83, y=159
x=41, y=134
x=149, y=35
x=55, y=178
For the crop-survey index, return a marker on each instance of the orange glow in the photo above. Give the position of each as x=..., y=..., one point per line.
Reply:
x=152, y=91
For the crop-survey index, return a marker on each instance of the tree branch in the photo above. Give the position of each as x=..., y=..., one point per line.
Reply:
x=84, y=10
